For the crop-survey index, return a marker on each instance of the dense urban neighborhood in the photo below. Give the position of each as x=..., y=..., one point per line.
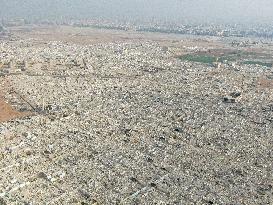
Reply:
x=104, y=113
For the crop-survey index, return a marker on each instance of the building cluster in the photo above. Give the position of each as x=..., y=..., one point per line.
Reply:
x=153, y=25
x=14, y=60
x=23, y=56
x=130, y=123
x=222, y=30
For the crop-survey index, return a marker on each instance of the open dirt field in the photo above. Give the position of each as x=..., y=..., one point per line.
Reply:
x=86, y=36
x=8, y=113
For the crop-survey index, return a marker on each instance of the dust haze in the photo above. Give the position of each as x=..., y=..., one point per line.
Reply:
x=201, y=11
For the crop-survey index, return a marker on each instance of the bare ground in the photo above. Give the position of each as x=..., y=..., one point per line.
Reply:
x=7, y=112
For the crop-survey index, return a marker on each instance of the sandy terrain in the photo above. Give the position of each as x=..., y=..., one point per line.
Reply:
x=8, y=113
x=86, y=36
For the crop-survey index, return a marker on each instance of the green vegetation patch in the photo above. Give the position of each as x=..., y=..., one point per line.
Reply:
x=102, y=27
x=199, y=58
x=210, y=58
x=205, y=58
x=257, y=63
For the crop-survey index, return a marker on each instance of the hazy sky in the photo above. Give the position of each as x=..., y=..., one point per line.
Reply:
x=202, y=10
